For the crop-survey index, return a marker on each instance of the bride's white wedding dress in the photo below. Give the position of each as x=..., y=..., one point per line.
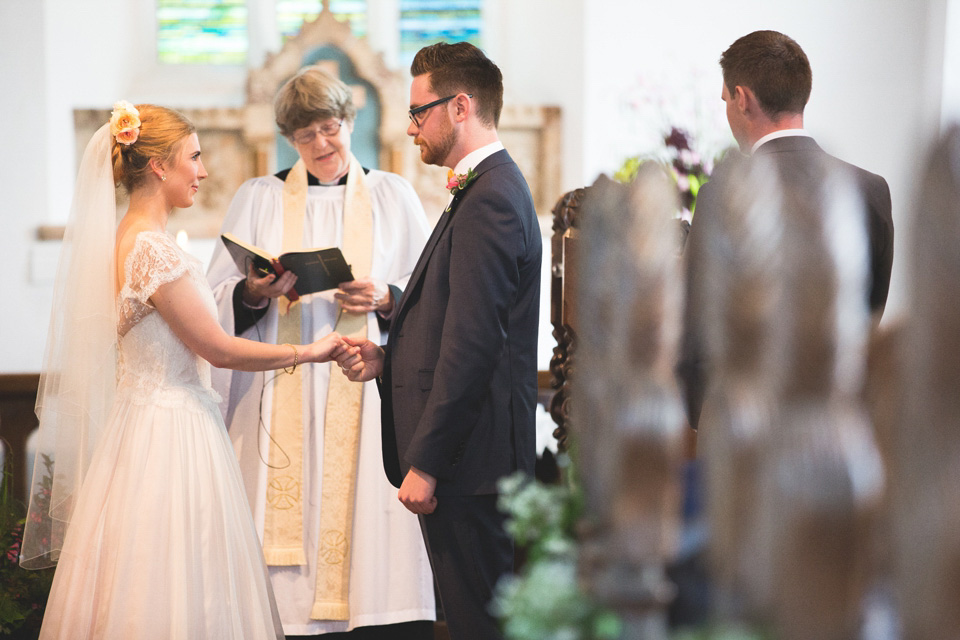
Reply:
x=162, y=544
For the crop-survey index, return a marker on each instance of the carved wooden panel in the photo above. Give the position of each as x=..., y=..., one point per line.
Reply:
x=565, y=220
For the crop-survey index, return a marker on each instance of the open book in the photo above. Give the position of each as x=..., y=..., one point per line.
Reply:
x=316, y=269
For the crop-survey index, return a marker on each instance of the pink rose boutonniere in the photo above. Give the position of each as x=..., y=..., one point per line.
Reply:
x=459, y=181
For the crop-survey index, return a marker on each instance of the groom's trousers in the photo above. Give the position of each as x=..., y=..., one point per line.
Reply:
x=469, y=551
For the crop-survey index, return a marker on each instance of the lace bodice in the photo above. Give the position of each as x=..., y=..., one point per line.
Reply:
x=155, y=365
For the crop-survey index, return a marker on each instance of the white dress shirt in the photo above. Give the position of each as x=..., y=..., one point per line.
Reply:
x=773, y=135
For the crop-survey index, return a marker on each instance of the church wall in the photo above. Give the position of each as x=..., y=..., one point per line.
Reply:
x=539, y=45
x=951, y=65
x=872, y=98
x=877, y=69
x=23, y=177
x=87, y=55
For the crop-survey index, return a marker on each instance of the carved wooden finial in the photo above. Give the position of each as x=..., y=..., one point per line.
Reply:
x=926, y=453
x=739, y=256
x=794, y=477
x=825, y=476
x=628, y=419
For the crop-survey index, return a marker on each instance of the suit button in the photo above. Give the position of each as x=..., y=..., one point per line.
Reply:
x=458, y=456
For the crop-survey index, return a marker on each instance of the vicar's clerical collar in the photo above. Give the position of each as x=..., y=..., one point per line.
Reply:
x=312, y=179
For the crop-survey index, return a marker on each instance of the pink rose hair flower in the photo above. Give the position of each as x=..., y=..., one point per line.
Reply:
x=125, y=122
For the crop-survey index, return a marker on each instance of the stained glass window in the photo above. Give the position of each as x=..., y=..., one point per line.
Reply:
x=216, y=31
x=202, y=31
x=291, y=14
x=424, y=22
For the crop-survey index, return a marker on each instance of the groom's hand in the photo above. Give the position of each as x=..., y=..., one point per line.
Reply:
x=361, y=360
x=416, y=491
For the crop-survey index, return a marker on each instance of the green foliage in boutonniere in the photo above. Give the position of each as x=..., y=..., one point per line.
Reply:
x=457, y=182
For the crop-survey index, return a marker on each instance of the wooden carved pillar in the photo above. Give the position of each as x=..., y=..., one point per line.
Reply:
x=794, y=477
x=628, y=419
x=925, y=466
x=736, y=304
x=562, y=279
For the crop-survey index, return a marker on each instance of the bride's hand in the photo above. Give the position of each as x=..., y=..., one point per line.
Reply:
x=325, y=349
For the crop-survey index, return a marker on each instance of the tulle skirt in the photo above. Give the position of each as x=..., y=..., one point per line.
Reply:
x=162, y=544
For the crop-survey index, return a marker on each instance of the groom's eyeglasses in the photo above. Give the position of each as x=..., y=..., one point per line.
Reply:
x=413, y=113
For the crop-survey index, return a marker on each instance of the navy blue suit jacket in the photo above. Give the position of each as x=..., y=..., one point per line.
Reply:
x=459, y=385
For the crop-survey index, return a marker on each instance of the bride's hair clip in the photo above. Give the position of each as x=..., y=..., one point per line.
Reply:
x=125, y=123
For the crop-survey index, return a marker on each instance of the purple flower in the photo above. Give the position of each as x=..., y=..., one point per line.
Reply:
x=689, y=157
x=677, y=139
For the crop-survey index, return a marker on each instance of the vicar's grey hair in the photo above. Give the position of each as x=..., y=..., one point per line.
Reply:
x=312, y=95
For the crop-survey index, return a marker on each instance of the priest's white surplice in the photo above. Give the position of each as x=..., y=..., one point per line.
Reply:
x=390, y=578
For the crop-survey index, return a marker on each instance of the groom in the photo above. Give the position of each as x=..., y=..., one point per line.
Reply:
x=458, y=374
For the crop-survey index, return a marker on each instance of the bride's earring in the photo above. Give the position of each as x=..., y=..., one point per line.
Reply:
x=163, y=177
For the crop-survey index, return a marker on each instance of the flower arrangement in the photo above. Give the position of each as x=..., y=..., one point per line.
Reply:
x=544, y=601
x=23, y=593
x=125, y=122
x=683, y=163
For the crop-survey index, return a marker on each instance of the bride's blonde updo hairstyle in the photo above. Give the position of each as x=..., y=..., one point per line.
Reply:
x=143, y=132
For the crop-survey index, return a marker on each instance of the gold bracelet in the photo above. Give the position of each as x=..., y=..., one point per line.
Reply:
x=296, y=358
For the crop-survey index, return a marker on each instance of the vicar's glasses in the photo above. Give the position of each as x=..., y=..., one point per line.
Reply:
x=413, y=113
x=327, y=129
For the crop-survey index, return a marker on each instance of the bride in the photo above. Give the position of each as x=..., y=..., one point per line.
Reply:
x=133, y=452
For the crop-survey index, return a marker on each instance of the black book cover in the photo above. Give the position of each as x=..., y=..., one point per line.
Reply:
x=316, y=269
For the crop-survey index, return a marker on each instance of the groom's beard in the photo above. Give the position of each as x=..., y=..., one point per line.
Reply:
x=438, y=151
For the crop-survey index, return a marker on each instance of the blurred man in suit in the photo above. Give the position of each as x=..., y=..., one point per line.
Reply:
x=766, y=85
x=458, y=373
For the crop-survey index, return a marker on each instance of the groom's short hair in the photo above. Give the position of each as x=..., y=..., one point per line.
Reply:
x=463, y=68
x=774, y=67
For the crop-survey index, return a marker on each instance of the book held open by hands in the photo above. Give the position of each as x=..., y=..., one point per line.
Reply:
x=316, y=269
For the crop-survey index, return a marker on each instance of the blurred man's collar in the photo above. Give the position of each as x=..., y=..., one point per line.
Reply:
x=773, y=135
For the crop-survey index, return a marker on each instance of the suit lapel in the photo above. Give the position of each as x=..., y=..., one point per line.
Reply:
x=494, y=160
x=417, y=273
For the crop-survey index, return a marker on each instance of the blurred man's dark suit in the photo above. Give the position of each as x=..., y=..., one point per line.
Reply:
x=796, y=159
